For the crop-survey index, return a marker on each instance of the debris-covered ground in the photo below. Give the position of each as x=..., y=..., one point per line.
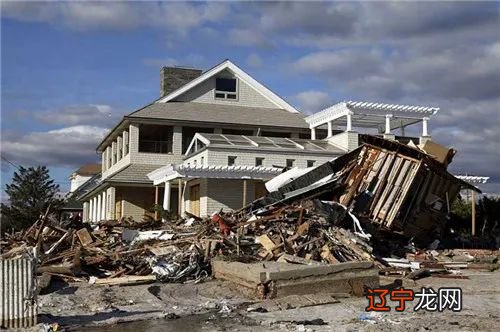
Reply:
x=219, y=306
x=367, y=209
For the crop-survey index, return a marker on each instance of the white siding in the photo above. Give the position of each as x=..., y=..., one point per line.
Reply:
x=247, y=96
x=244, y=158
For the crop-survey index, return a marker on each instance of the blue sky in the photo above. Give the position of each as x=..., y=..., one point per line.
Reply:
x=70, y=70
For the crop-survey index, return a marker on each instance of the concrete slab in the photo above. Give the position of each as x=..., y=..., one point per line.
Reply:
x=277, y=279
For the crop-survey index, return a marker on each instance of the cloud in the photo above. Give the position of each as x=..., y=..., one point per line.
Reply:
x=312, y=101
x=79, y=115
x=78, y=15
x=66, y=147
x=254, y=60
x=190, y=60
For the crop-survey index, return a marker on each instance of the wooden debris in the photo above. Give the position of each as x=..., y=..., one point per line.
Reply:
x=84, y=237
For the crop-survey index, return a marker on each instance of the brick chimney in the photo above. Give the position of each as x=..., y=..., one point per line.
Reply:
x=172, y=78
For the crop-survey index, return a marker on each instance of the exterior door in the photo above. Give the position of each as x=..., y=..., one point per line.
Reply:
x=194, y=197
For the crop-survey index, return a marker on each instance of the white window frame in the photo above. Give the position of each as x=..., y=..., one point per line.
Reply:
x=226, y=93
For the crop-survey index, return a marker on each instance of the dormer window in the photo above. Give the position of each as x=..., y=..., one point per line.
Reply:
x=226, y=88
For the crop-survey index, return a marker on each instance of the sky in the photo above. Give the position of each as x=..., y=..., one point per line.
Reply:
x=71, y=70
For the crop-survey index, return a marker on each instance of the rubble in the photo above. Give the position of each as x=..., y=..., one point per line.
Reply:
x=370, y=205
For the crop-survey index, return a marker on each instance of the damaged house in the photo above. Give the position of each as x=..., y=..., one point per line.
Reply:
x=213, y=138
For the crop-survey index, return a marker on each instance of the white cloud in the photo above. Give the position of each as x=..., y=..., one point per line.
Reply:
x=190, y=60
x=76, y=115
x=312, y=101
x=254, y=60
x=67, y=147
x=119, y=15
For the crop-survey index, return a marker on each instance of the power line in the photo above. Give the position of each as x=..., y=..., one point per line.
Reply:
x=10, y=162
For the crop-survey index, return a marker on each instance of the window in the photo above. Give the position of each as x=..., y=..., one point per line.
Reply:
x=225, y=88
x=259, y=161
x=290, y=162
x=155, y=139
x=237, y=132
x=202, y=161
x=274, y=134
x=310, y=163
x=194, y=163
x=231, y=160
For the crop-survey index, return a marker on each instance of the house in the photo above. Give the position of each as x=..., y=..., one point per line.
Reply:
x=82, y=175
x=213, y=138
x=80, y=179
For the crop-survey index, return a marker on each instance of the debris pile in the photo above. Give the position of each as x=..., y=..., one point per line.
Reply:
x=182, y=250
x=372, y=204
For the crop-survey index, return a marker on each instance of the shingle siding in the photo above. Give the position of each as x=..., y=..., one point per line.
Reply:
x=247, y=96
x=135, y=200
x=270, y=158
x=226, y=194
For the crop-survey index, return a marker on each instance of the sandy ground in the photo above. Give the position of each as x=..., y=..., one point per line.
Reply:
x=220, y=306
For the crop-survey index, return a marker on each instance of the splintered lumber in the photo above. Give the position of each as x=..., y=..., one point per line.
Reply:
x=267, y=242
x=55, y=245
x=84, y=236
x=326, y=254
x=128, y=280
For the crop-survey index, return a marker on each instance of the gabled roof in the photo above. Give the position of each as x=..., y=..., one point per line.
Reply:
x=238, y=72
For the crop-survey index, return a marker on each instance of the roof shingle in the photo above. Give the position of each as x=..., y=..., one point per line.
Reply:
x=204, y=112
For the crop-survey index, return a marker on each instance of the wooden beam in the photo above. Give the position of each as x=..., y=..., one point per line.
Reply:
x=179, y=195
x=156, y=202
x=473, y=202
x=244, y=193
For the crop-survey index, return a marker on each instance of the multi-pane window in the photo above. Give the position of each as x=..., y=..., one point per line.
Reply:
x=259, y=161
x=226, y=88
x=155, y=139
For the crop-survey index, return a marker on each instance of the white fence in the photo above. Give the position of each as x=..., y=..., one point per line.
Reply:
x=18, y=306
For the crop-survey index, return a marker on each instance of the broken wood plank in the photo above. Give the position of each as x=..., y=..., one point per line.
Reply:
x=84, y=236
x=266, y=242
x=128, y=280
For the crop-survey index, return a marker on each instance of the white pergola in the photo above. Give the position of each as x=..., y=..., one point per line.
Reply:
x=370, y=115
x=182, y=172
x=473, y=179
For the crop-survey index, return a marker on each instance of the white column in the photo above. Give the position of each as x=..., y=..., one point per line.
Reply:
x=99, y=207
x=119, y=148
x=113, y=153
x=388, y=118
x=91, y=209
x=349, y=122
x=330, y=128
x=104, y=206
x=424, y=127
x=166, y=196
x=108, y=154
x=125, y=142
x=313, y=133
x=94, y=209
